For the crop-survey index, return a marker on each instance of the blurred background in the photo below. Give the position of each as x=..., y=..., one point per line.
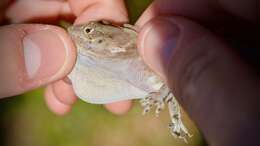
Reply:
x=26, y=121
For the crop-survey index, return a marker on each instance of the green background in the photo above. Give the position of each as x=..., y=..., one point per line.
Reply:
x=26, y=121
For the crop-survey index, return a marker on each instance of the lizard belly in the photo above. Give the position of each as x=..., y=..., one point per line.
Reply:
x=97, y=85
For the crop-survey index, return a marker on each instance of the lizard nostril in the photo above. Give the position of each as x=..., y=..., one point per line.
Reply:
x=100, y=41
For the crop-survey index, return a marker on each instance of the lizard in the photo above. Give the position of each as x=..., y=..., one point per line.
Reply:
x=109, y=69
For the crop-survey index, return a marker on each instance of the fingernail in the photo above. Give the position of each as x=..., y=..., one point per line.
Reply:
x=160, y=38
x=44, y=54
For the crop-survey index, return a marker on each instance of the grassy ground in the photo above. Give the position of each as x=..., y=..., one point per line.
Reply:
x=26, y=121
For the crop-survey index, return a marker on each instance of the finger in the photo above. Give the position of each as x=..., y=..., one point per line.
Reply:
x=32, y=56
x=208, y=78
x=119, y=108
x=38, y=11
x=64, y=92
x=54, y=104
x=207, y=12
x=200, y=10
x=94, y=10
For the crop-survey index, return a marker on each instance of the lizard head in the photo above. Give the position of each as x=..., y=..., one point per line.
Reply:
x=104, y=40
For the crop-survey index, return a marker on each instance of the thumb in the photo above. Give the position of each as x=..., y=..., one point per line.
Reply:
x=33, y=55
x=207, y=77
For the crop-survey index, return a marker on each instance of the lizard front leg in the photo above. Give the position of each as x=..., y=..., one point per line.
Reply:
x=155, y=99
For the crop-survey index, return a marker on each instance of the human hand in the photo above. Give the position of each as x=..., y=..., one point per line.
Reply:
x=188, y=45
x=40, y=55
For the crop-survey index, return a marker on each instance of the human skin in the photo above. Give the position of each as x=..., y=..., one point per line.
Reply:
x=54, y=51
x=181, y=41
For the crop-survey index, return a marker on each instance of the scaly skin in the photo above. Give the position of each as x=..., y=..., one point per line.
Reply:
x=109, y=69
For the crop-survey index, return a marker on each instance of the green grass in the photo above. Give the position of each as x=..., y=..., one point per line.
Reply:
x=26, y=121
x=30, y=123
x=135, y=8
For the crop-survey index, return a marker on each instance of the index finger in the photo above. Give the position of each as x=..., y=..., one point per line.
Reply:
x=93, y=10
x=209, y=12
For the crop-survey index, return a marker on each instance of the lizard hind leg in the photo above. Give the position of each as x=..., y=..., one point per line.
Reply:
x=176, y=126
x=158, y=100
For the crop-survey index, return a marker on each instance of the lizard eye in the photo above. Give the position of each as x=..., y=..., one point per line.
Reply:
x=88, y=30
